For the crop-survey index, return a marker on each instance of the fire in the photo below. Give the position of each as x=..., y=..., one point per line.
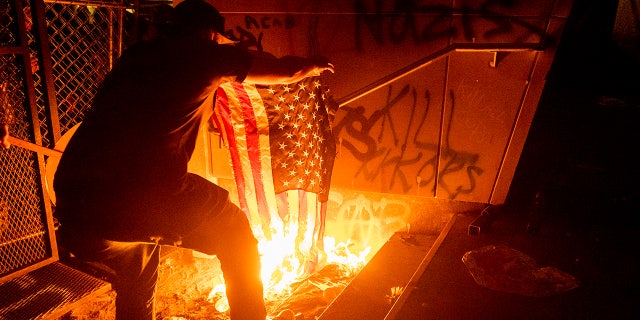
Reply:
x=288, y=256
x=284, y=264
x=341, y=255
x=301, y=271
x=280, y=266
x=305, y=252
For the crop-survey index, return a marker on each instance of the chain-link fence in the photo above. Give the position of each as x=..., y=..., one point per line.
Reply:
x=23, y=238
x=84, y=39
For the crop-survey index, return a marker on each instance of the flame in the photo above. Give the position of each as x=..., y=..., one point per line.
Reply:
x=293, y=257
x=341, y=255
x=284, y=263
x=281, y=267
x=280, y=264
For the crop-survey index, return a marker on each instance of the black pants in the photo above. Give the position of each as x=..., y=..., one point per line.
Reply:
x=225, y=233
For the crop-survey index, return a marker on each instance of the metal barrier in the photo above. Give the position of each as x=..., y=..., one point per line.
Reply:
x=53, y=56
x=25, y=232
x=85, y=38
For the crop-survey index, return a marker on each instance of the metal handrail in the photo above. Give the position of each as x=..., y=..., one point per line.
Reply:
x=457, y=47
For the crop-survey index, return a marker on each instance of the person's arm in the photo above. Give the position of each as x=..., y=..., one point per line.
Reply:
x=287, y=69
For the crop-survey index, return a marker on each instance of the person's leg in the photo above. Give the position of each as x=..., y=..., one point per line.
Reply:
x=201, y=217
x=133, y=269
x=229, y=236
x=136, y=267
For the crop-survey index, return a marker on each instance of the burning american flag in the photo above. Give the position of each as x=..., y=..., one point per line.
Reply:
x=282, y=152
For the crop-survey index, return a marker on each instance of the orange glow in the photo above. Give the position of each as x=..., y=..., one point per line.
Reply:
x=283, y=264
x=299, y=276
x=288, y=260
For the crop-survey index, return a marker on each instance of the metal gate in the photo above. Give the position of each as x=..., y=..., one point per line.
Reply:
x=53, y=55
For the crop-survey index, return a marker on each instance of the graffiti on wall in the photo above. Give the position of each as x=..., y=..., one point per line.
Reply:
x=410, y=20
x=412, y=161
x=245, y=33
x=401, y=21
x=366, y=220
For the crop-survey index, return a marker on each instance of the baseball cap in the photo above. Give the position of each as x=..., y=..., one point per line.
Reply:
x=191, y=15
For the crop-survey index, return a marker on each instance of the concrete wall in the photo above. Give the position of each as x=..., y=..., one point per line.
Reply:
x=452, y=129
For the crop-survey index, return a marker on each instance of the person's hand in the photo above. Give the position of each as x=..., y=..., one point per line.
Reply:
x=321, y=64
x=4, y=136
x=287, y=69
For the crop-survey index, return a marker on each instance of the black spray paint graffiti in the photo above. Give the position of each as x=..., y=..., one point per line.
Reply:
x=248, y=40
x=408, y=157
x=425, y=23
x=408, y=20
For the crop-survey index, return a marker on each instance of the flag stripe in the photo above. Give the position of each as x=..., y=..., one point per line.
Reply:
x=223, y=122
x=318, y=233
x=306, y=219
x=282, y=205
x=237, y=119
x=265, y=169
x=253, y=149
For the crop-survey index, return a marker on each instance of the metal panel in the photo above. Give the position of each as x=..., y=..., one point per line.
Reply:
x=525, y=114
x=480, y=111
x=391, y=136
x=380, y=287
